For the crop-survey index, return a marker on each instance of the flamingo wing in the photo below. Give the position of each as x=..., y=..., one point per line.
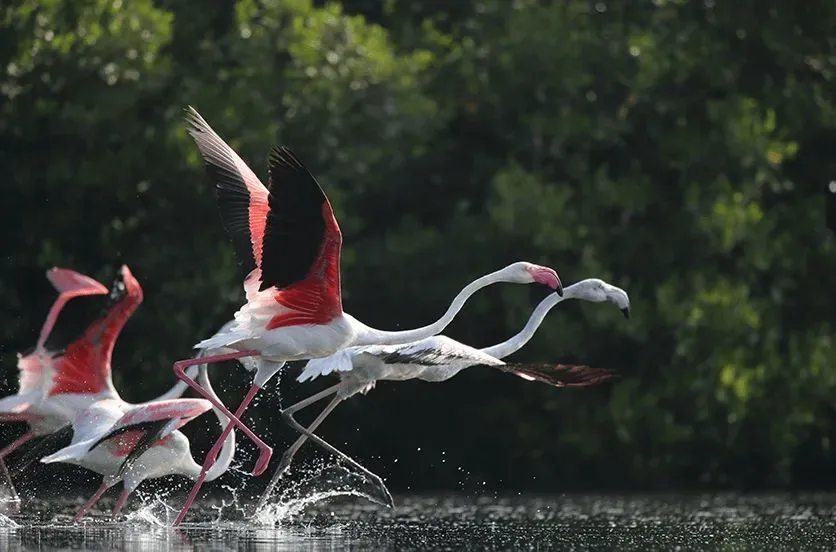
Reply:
x=76, y=291
x=561, y=375
x=82, y=365
x=19, y=403
x=300, y=225
x=45, y=443
x=341, y=361
x=88, y=424
x=145, y=425
x=438, y=350
x=286, y=238
x=302, y=245
x=242, y=198
x=70, y=284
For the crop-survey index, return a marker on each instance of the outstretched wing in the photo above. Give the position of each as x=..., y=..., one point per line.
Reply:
x=302, y=245
x=561, y=375
x=70, y=284
x=438, y=350
x=299, y=224
x=242, y=198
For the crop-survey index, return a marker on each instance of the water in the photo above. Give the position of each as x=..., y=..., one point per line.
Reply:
x=565, y=522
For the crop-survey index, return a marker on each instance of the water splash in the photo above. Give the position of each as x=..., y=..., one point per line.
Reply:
x=7, y=523
x=9, y=499
x=286, y=509
x=152, y=512
x=294, y=497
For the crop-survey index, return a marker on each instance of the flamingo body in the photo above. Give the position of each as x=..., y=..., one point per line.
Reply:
x=106, y=432
x=69, y=367
x=134, y=442
x=288, y=243
x=439, y=358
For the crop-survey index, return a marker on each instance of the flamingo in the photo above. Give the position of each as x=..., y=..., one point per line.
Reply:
x=132, y=443
x=288, y=241
x=69, y=368
x=66, y=372
x=434, y=359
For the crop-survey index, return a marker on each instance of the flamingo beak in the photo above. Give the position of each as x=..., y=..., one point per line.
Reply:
x=626, y=312
x=548, y=277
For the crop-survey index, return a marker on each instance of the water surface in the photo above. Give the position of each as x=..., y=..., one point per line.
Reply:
x=564, y=522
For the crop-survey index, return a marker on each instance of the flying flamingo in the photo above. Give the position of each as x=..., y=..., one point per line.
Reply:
x=288, y=241
x=132, y=443
x=434, y=359
x=69, y=367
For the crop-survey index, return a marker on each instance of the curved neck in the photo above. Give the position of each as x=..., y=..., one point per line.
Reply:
x=372, y=336
x=228, y=450
x=515, y=343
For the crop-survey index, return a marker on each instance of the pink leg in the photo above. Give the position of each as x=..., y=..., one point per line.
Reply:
x=212, y=456
x=179, y=371
x=14, y=445
x=4, y=417
x=92, y=502
x=120, y=503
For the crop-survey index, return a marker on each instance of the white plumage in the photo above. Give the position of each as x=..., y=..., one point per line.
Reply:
x=132, y=443
x=439, y=358
x=288, y=239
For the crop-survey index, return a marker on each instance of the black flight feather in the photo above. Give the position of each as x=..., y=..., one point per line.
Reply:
x=293, y=236
x=46, y=444
x=152, y=435
x=562, y=375
x=152, y=431
x=424, y=357
x=232, y=193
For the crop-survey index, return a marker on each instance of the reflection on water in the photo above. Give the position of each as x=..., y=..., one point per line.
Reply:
x=769, y=522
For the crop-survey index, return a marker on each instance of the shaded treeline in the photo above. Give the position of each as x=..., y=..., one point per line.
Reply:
x=677, y=149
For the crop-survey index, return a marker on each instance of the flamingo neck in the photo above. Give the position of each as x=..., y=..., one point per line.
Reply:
x=515, y=343
x=372, y=336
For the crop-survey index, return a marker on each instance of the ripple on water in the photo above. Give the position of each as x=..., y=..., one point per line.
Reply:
x=328, y=521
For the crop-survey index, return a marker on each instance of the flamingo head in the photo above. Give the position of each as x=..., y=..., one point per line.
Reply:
x=598, y=291
x=125, y=286
x=529, y=273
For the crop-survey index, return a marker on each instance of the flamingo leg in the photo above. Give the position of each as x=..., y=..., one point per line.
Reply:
x=333, y=450
x=316, y=397
x=265, y=450
x=16, y=444
x=287, y=457
x=6, y=417
x=120, y=503
x=212, y=456
x=92, y=502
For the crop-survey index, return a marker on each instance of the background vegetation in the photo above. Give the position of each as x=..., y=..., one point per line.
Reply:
x=678, y=149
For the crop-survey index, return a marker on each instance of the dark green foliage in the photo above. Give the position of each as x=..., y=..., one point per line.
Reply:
x=678, y=149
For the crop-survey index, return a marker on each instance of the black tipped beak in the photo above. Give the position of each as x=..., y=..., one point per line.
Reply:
x=559, y=289
x=626, y=312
